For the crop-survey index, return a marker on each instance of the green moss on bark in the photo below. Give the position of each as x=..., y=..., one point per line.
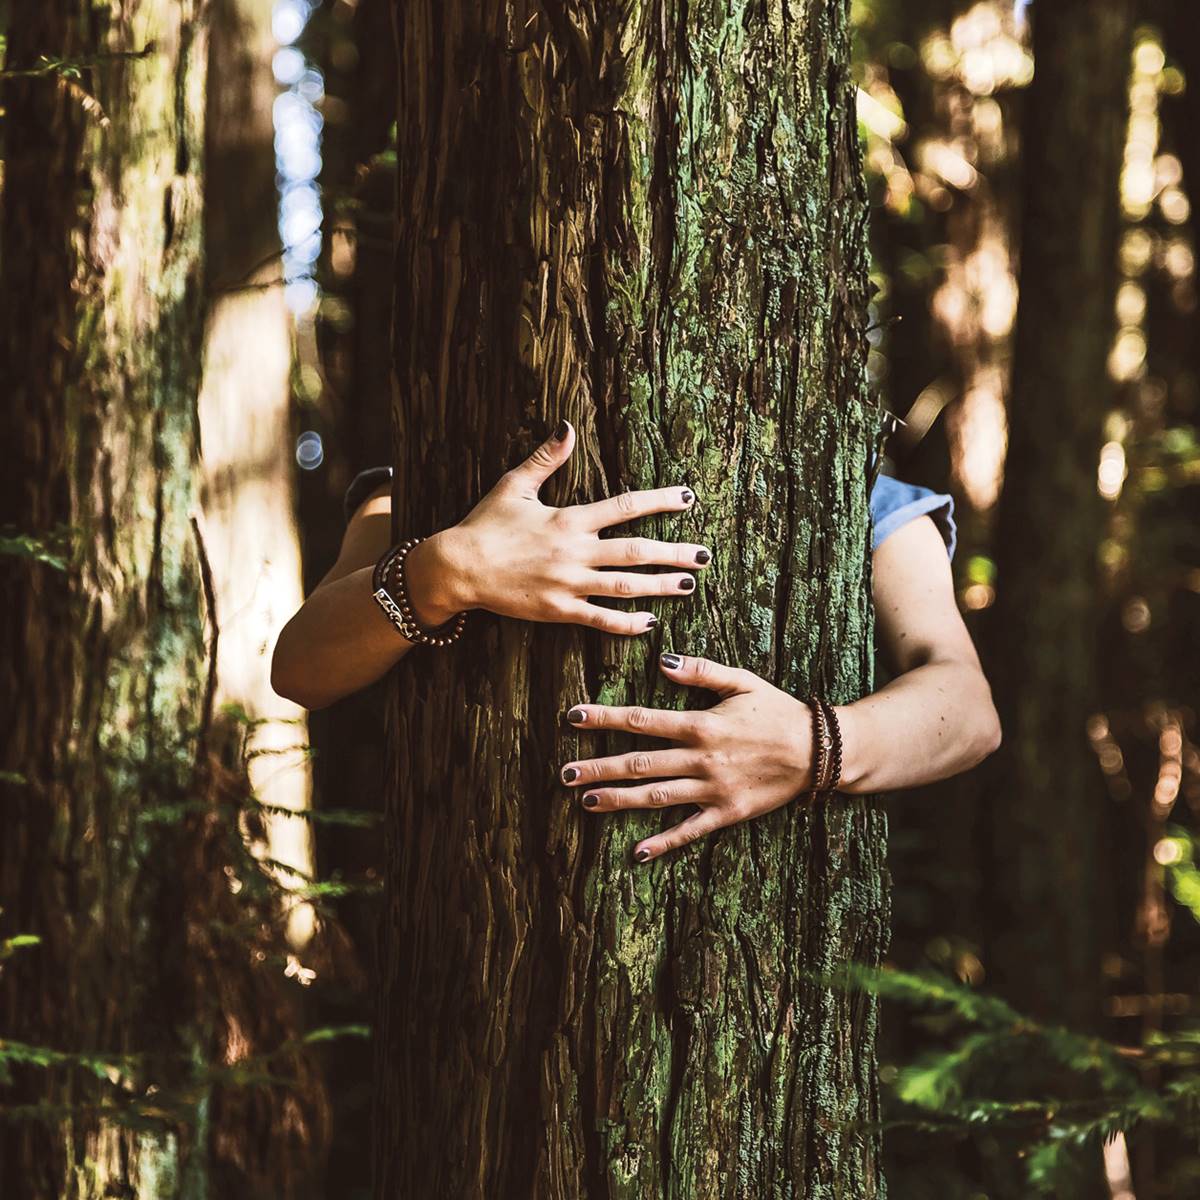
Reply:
x=648, y=219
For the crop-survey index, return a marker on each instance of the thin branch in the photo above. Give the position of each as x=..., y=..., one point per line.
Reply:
x=210, y=683
x=46, y=65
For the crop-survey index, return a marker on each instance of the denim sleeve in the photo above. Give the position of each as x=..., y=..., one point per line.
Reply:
x=894, y=504
x=361, y=486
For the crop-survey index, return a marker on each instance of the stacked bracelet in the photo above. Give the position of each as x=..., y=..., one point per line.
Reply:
x=835, y=752
x=818, y=749
x=391, y=594
x=827, y=748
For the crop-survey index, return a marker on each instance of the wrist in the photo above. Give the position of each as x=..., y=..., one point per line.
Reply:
x=799, y=747
x=854, y=768
x=437, y=580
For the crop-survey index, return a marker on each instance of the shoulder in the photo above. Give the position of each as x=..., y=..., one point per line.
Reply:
x=894, y=503
x=361, y=486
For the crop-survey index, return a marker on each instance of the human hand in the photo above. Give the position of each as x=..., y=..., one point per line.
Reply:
x=516, y=556
x=749, y=754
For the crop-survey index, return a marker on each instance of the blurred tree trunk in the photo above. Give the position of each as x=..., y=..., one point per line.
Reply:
x=358, y=184
x=264, y=1144
x=117, y=848
x=651, y=221
x=1048, y=804
x=104, y=662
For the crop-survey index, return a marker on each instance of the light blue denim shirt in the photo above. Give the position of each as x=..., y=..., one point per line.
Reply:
x=894, y=504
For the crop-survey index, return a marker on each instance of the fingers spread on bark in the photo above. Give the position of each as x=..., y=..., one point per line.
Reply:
x=642, y=764
x=641, y=551
x=628, y=506
x=663, y=793
x=654, y=722
x=703, y=672
x=699, y=825
x=635, y=583
x=608, y=620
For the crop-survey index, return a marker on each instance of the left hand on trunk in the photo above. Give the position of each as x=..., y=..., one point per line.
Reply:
x=749, y=754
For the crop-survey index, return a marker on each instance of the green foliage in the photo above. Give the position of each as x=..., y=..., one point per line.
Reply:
x=1183, y=876
x=17, y=1053
x=74, y=68
x=171, y=814
x=169, y=1103
x=22, y=941
x=333, y=1032
x=1084, y=1089
x=51, y=549
x=161, y=1089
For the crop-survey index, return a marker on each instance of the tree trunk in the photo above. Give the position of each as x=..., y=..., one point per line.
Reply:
x=1045, y=952
x=117, y=848
x=248, y=476
x=648, y=219
x=101, y=242
x=358, y=183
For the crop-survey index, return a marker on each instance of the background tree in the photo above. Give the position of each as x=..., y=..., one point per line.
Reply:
x=145, y=1001
x=355, y=48
x=650, y=221
x=1048, y=920
x=1046, y=939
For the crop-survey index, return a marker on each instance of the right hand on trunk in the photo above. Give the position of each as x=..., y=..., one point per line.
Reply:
x=516, y=556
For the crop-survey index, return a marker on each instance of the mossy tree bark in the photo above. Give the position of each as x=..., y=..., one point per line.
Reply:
x=117, y=841
x=1050, y=798
x=103, y=662
x=647, y=218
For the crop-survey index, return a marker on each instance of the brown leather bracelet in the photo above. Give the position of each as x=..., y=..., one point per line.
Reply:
x=390, y=592
x=835, y=749
x=827, y=748
x=818, y=750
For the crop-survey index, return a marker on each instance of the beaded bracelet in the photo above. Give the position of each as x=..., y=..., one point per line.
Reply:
x=394, y=601
x=835, y=749
x=818, y=750
x=827, y=747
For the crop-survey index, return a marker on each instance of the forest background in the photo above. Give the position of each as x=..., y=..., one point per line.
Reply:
x=1076, y=478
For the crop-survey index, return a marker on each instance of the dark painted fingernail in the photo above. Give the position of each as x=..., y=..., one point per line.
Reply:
x=569, y=774
x=651, y=621
x=642, y=854
x=688, y=495
x=560, y=434
x=703, y=556
x=576, y=716
x=687, y=584
x=591, y=800
x=671, y=661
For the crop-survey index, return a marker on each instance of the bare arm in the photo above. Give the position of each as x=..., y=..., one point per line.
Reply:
x=339, y=640
x=511, y=555
x=936, y=718
x=752, y=752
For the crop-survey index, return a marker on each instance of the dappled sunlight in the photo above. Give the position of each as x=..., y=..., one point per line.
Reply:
x=298, y=129
x=978, y=432
x=1153, y=200
x=981, y=55
x=253, y=545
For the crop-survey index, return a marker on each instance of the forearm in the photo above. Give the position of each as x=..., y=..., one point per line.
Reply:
x=927, y=724
x=340, y=640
